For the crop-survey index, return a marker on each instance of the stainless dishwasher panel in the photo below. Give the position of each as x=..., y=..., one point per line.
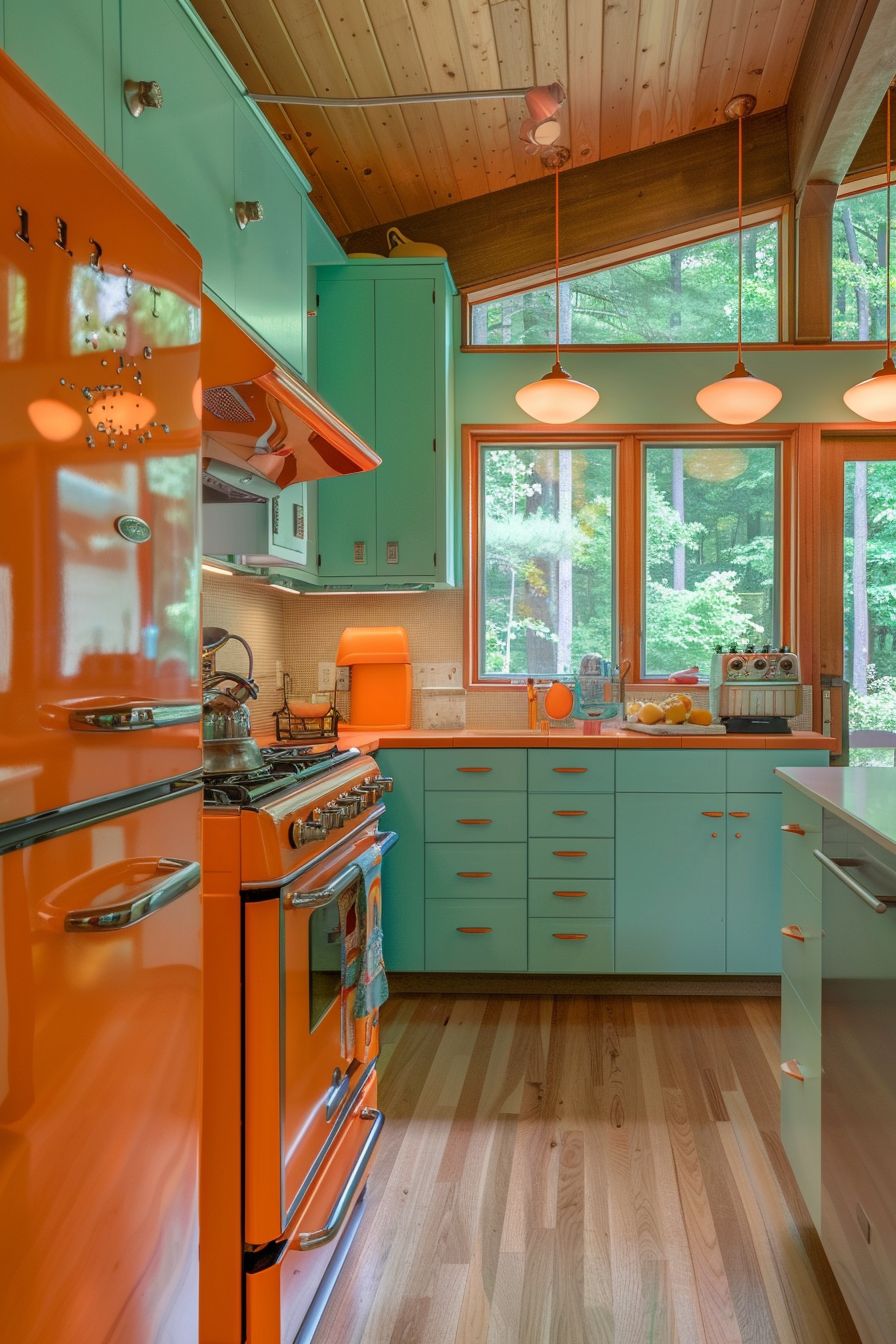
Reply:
x=858, y=1089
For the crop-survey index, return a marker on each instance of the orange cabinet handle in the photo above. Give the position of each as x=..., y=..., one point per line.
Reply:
x=570, y=893
x=713, y=814
x=466, y=930
x=738, y=814
x=794, y=931
x=791, y=1069
x=570, y=769
x=471, y=821
x=793, y=829
x=474, y=874
x=581, y=813
x=571, y=853
x=570, y=937
x=474, y=769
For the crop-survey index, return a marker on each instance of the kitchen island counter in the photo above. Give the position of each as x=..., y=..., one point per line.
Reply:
x=865, y=797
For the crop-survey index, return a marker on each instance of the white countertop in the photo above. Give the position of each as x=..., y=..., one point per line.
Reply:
x=865, y=797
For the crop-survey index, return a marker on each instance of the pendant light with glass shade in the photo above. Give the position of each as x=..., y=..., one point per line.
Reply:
x=739, y=398
x=557, y=399
x=875, y=398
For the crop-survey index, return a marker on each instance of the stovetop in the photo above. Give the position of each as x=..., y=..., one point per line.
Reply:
x=284, y=767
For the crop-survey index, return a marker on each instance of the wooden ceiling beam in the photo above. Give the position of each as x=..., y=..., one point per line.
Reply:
x=643, y=194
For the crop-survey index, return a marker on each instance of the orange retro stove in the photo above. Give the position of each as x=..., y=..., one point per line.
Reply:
x=290, y=1123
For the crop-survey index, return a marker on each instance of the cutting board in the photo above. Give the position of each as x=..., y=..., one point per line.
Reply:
x=676, y=729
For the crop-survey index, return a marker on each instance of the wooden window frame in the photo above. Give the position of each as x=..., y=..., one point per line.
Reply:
x=797, y=442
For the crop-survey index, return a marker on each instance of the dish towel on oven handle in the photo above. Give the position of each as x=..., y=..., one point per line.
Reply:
x=364, y=986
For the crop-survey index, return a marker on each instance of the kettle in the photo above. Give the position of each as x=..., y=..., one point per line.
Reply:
x=228, y=746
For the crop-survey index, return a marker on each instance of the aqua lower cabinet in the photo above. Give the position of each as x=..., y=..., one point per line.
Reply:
x=580, y=899
x=569, y=815
x=801, y=935
x=753, y=884
x=670, y=883
x=571, y=946
x=470, y=871
x=403, y=866
x=801, y=1096
x=476, y=935
x=475, y=817
x=585, y=771
x=801, y=822
x=475, y=768
x=571, y=860
x=753, y=771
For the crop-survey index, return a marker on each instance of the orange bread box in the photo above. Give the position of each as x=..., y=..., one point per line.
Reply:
x=381, y=675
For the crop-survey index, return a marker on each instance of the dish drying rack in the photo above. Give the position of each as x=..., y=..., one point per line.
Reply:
x=598, y=696
x=292, y=727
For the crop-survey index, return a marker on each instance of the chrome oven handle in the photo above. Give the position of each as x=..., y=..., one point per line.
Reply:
x=855, y=887
x=311, y=900
x=131, y=718
x=309, y=1241
x=111, y=917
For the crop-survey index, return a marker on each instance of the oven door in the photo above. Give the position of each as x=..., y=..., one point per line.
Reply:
x=299, y=1089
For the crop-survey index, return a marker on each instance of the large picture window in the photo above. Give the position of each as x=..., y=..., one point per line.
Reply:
x=860, y=267
x=545, y=557
x=711, y=551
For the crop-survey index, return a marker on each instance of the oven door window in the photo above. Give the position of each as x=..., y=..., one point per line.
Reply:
x=324, y=948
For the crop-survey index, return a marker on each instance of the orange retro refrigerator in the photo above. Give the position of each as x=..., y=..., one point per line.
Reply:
x=99, y=745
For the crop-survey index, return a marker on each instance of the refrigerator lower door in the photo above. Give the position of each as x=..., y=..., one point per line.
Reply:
x=99, y=1082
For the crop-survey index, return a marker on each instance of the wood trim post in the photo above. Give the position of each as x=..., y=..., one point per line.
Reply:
x=814, y=255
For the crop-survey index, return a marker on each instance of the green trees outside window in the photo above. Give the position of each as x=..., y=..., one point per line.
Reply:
x=869, y=603
x=687, y=294
x=860, y=267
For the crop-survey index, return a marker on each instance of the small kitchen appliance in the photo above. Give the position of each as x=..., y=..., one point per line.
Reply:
x=381, y=675
x=757, y=690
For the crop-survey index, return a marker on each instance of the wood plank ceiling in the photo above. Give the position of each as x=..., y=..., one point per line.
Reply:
x=637, y=72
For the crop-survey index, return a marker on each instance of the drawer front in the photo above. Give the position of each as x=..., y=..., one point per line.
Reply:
x=571, y=860
x=670, y=770
x=474, y=768
x=465, y=872
x=801, y=961
x=801, y=1101
x=551, y=898
x=452, y=946
x=479, y=817
x=571, y=814
x=573, y=771
x=799, y=811
x=753, y=771
x=571, y=946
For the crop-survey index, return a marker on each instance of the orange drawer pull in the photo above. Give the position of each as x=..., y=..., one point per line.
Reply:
x=571, y=853
x=791, y=1069
x=580, y=813
x=738, y=814
x=794, y=931
x=474, y=769
x=470, y=930
x=793, y=829
x=713, y=814
x=570, y=769
x=570, y=893
x=570, y=937
x=471, y=821
x=474, y=874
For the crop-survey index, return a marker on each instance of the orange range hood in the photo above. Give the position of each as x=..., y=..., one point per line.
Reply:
x=257, y=414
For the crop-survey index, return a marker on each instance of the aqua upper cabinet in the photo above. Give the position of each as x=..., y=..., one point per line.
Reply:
x=182, y=154
x=384, y=356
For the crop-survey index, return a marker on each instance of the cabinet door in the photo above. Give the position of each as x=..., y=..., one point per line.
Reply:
x=346, y=354
x=269, y=259
x=670, y=883
x=753, y=903
x=403, y=865
x=61, y=47
x=181, y=154
x=405, y=427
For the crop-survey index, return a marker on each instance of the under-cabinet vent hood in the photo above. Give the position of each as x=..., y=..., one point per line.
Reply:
x=263, y=428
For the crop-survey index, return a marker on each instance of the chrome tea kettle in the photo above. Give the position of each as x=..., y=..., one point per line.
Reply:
x=228, y=746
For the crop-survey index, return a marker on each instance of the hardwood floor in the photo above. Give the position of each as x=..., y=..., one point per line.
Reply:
x=583, y=1171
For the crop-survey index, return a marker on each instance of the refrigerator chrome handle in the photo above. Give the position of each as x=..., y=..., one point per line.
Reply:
x=107, y=918
x=309, y=1241
x=312, y=900
x=131, y=717
x=879, y=907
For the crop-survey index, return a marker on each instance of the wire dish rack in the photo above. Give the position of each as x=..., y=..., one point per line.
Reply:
x=292, y=726
x=593, y=701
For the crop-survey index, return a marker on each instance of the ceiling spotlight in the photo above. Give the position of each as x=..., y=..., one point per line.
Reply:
x=540, y=128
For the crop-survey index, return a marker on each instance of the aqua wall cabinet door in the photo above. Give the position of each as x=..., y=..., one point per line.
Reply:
x=406, y=427
x=181, y=154
x=403, y=875
x=670, y=882
x=269, y=255
x=346, y=361
x=61, y=47
x=753, y=900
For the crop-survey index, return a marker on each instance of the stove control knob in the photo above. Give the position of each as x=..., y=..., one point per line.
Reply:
x=383, y=783
x=364, y=794
x=332, y=817
x=786, y=665
x=373, y=790
x=350, y=803
x=760, y=664
x=304, y=832
x=735, y=665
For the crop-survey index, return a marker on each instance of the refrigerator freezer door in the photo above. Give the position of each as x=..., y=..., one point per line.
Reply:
x=99, y=440
x=99, y=1082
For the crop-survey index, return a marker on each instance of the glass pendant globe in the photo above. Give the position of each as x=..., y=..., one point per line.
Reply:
x=557, y=399
x=738, y=398
x=875, y=398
